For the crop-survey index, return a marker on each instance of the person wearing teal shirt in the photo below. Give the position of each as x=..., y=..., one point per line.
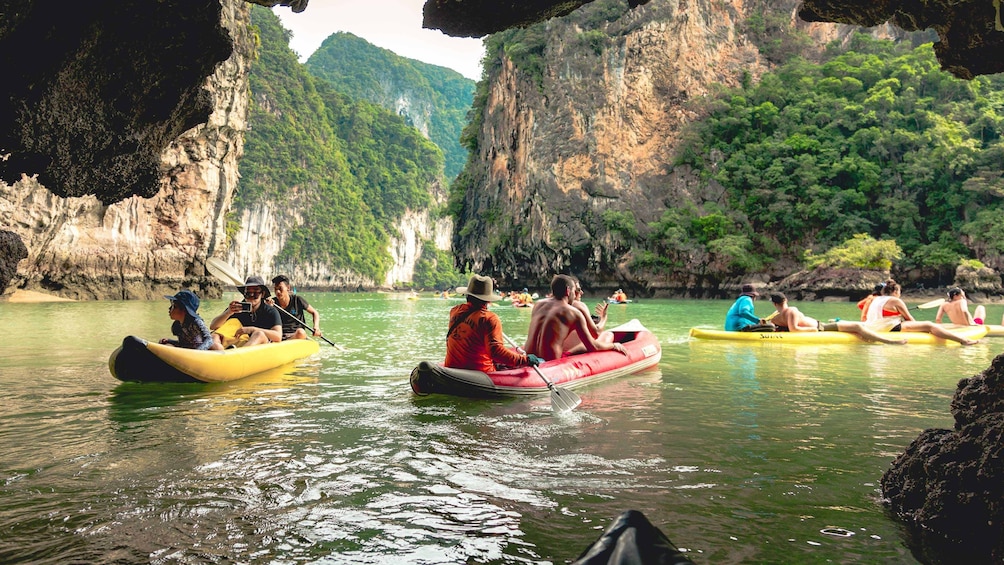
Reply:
x=741, y=313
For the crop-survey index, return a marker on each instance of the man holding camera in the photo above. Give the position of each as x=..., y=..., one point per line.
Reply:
x=258, y=321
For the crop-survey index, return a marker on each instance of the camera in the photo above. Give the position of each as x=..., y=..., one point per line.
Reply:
x=245, y=306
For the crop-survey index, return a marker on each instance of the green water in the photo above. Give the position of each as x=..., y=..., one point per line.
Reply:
x=740, y=453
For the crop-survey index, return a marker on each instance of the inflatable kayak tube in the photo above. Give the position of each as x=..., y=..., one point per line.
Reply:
x=643, y=352
x=993, y=330
x=145, y=361
x=913, y=338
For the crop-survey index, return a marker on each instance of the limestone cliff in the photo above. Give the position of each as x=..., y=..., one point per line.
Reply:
x=595, y=138
x=142, y=247
x=256, y=246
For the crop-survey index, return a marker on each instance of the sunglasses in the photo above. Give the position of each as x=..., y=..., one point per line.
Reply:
x=252, y=293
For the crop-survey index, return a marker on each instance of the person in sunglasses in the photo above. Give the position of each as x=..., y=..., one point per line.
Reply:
x=260, y=322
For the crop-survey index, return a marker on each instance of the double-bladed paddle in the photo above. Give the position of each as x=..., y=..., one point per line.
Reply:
x=932, y=304
x=562, y=400
x=226, y=273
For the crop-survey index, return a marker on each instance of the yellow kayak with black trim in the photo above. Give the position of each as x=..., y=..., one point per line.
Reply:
x=146, y=361
x=919, y=338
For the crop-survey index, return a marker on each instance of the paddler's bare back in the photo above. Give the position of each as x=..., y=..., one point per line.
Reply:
x=550, y=324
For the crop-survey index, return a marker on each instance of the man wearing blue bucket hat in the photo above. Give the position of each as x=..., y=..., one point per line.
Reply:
x=192, y=331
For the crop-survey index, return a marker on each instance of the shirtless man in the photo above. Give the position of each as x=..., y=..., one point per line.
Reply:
x=957, y=309
x=553, y=318
x=572, y=344
x=890, y=301
x=795, y=321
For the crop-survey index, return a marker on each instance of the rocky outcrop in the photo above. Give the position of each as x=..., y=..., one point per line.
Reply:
x=12, y=251
x=978, y=281
x=829, y=284
x=948, y=486
x=594, y=141
x=79, y=247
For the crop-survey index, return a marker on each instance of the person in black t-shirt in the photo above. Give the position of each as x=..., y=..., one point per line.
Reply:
x=262, y=324
x=292, y=308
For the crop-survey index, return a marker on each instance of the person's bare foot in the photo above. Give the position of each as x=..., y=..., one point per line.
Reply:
x=900, y=342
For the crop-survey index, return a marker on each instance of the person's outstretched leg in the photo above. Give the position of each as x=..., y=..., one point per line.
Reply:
x=935, y=330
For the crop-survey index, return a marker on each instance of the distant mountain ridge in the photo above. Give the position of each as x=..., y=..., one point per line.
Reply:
x=433, y=99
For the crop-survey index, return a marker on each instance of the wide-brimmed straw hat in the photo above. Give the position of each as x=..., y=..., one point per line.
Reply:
x=255, y=280
x=481, y=288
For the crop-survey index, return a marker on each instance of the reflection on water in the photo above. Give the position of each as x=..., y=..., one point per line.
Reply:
x=765, y=453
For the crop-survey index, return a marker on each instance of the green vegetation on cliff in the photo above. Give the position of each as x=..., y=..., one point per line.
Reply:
x=348, y=166
x=426, y=96
x=875, y=140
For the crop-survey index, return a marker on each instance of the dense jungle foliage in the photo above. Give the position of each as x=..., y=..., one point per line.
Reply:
x=873, y=140
x=348, y=166
x=363, y=71
x=868, y=139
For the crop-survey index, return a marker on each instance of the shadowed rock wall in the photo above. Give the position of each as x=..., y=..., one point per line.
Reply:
x=948, y=486
x=12, y=251
x=93, y=92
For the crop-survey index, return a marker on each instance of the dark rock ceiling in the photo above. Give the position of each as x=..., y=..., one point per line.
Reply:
x=93, y=92
x=971, y=34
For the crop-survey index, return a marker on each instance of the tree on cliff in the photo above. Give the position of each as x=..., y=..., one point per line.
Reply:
x=428, y=97
x=875, y=140
x=338, y=170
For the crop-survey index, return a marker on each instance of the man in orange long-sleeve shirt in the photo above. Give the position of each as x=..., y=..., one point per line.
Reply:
x=475, y=340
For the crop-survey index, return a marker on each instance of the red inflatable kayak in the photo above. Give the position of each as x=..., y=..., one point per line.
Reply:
x=643, y=352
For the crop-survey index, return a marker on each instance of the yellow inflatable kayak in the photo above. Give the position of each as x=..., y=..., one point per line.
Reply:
x=145, y=361
x=993, y=330
x=969, y=332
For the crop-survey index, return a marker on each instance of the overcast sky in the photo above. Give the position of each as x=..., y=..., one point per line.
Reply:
x=392, y=24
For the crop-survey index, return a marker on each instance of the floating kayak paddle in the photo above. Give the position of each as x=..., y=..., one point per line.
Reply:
x=562, y=400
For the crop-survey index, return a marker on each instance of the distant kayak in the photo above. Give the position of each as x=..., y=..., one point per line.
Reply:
x=921, y=338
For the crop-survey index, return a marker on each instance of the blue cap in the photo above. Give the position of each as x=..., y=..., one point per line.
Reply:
x=186, y=298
